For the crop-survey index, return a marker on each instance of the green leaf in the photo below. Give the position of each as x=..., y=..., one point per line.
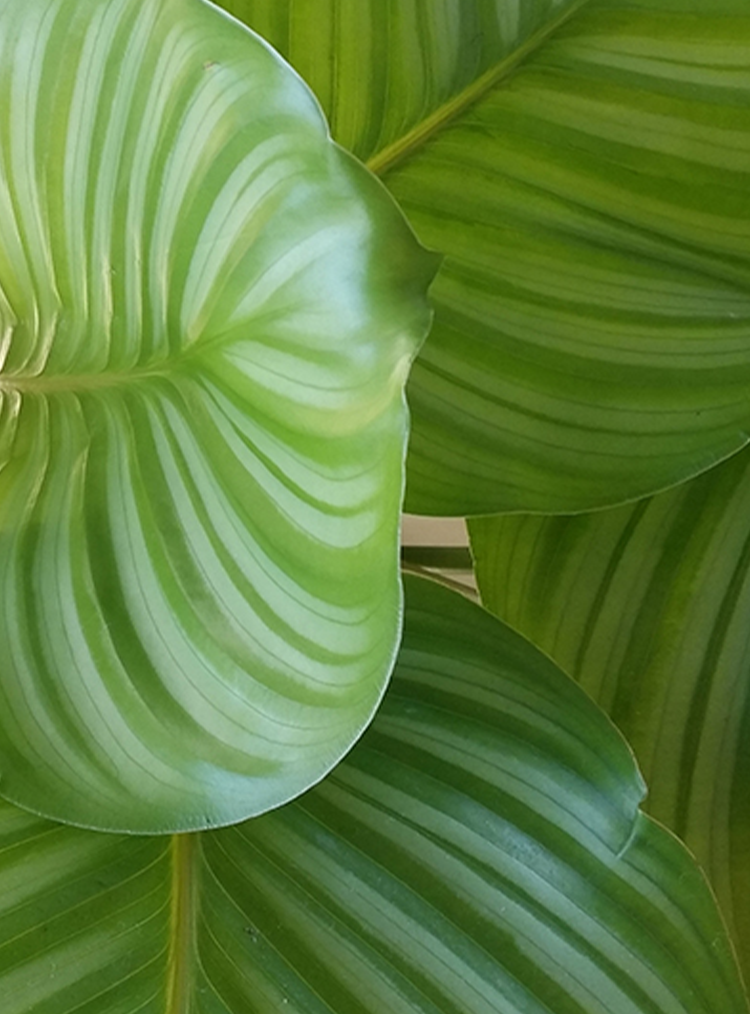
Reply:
x=207, y=315
x=585, y=168
x=479, y=852
x=648, y=607
x=381, y=71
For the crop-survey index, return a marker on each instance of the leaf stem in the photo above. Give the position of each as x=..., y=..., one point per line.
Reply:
x=185, y=854
x=440, y=577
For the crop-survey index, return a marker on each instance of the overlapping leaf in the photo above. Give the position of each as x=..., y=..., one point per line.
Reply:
x=585, y=166
x=648, y=606
x=207, y=315
x=480, y=851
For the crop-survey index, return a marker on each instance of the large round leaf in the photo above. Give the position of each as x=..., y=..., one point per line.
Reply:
x=207, y=316
x=648, y=606
x=585, y=166
x=479, y=852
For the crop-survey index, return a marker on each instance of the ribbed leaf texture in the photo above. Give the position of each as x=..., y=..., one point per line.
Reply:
x=584, y=166
x=648, y=607
x=480, y=851
x=207, y=315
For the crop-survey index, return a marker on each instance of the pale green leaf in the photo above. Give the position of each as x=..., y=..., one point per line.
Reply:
x=207, y=315
x=585, y=168
x=480, y=851
x=648, y=606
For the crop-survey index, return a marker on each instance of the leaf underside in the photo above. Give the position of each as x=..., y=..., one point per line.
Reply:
x=479, y=852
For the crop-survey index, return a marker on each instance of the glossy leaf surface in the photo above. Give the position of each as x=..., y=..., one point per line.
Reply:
x=648, y=606
x=480, y=851
x=207, y=315
x=585, y=168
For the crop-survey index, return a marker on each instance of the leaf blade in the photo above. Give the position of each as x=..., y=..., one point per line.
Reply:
x=569, y=308
x=210, y=321
x=480, y=850
x=645, y=605
x=590, y=342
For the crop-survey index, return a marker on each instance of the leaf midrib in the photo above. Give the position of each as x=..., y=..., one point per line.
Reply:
x=74, y=382
x=413, y=140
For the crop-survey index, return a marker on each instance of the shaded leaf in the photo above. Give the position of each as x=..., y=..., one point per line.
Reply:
x=383, y=71
x=480, y=851
x=207, y=315
x=648, y=607
x=584, y=166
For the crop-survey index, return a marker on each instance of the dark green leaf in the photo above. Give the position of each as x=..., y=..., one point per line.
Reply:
x=479, y=852
x=648, y=606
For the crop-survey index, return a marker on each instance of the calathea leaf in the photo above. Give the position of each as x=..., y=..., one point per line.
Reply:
x=207, y=315
x=479, y=851
x=648, y=607
x=584, y=165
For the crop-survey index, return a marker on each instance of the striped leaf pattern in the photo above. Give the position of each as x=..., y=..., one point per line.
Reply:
x=584, y=167
x=648, y=607
x=383, y=69
x=85, y=923
x=207, y=315
x=479, y=852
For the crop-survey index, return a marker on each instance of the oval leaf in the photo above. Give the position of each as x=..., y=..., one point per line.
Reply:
x=648, y=607
x=585, y=168
x=479, y=852
x=208, y=312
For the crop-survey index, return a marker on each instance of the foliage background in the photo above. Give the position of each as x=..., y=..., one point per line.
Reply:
x=583, y=397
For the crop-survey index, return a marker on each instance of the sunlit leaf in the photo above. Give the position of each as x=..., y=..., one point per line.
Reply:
x=585, y=167
x=480, y=851
x=648, y=606
x=207, y=315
